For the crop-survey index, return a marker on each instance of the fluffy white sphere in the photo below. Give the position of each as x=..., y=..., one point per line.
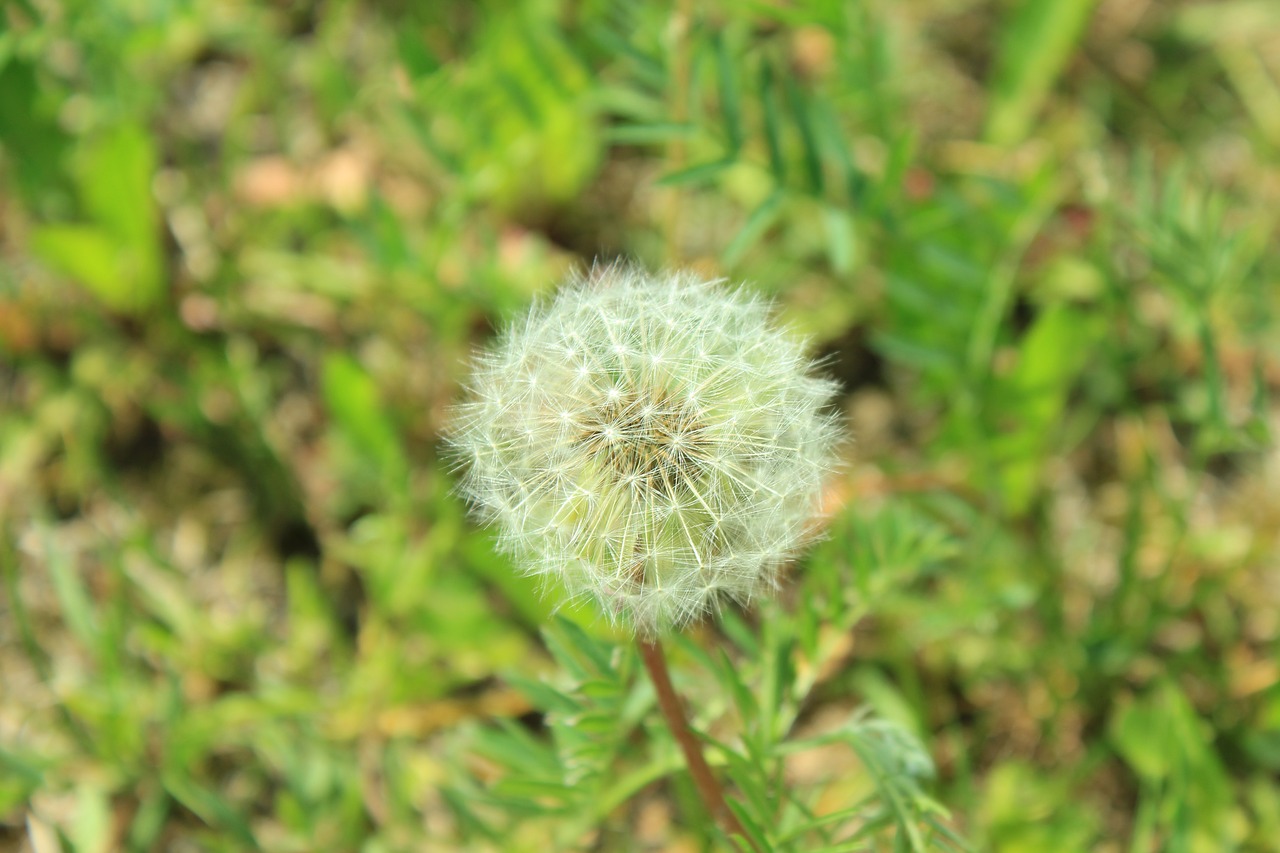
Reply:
x=652, y=442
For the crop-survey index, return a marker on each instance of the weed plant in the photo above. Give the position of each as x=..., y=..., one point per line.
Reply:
x=246, y=251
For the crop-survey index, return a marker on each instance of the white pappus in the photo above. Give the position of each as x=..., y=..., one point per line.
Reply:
x=653, y=442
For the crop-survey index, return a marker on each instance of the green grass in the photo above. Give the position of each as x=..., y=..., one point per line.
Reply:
x=246, y=249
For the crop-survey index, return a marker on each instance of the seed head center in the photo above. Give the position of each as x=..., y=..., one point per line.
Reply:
x=648, y=440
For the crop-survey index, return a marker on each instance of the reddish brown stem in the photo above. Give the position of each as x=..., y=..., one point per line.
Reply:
x=705, y=781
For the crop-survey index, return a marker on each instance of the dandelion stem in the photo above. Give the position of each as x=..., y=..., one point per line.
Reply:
x=708, y=787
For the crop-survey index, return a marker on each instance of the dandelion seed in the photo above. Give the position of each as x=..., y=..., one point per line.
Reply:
x=655, y=486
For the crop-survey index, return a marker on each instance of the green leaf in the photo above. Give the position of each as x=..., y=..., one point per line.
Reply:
x=1027, y=811
x=1238, y=31
x=20, y=777
x=1159, y=735
x=210, y=807
x=1034, y=397
x=31, y=134
x=95, y=259
x=778, y=679
x=164, y=596
x=415, y=54
x=354, y=402
x=149, y=820
x=913, y=353
x=799, y=104
x=91, y=828
x=513, y=747
x=841, y=239
x=1035, y=44
x=753, y=229
x=755, y=831
x=532, y=788
x=543, y=696
x=831, y=137
x=117, y=257
x=772, y=124
x=461, y=803
x=570, y=643
x=658, y=133
x=73, y=598
x=730, y=677
x=730, y=97
x=702, y=173
x=114, y=176
x=533, y=600
x=630, y=784
x=1170, y=748
x=887, y=700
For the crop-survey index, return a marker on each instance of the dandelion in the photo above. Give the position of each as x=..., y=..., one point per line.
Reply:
x=654, y=443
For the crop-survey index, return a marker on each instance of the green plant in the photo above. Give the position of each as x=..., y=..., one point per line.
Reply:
x=248, y=246
x=653, y=445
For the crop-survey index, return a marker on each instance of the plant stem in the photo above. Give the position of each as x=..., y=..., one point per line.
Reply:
x=708, y=787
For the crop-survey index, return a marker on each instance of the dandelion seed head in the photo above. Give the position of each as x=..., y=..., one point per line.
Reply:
x=653, y=442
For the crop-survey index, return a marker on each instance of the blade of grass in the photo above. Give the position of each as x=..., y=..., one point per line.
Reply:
x=1035, y=45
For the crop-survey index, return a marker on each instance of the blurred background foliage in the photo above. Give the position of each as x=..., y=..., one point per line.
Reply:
x=247, y=247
